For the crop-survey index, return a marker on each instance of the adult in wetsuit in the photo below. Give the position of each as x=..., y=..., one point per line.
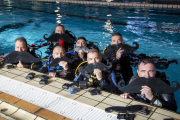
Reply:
x=63, y=69
x=146, y=68
x=59, y=29
x=81, y=41
x=121, y=63
x=103, y=78
x=21, y=45
x=62, y=42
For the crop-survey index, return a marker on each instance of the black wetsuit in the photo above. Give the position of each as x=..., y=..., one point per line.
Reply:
x=60, y=72
x=106, y=83
x=35, y=55
x=125, y=68
x=163, y=100
x=67, y=47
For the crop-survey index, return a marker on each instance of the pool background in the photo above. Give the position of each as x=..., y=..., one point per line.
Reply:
x=156, y=30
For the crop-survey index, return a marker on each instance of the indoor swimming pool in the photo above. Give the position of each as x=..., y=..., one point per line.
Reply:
x=156, y=30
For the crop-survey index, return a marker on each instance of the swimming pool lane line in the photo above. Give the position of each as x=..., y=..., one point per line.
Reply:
x=84, y=17
x=160, y=6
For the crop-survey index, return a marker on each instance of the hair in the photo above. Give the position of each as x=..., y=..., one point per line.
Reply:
x=93, y=51
x=116, y=34
x=21, y=39
x=146, y=61
x=81, y=38
x=58, y=46
x=60, y=26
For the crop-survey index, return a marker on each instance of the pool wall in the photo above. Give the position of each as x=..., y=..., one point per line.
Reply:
x=127, y=4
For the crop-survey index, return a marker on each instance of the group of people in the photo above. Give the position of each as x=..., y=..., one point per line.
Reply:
x=103, y=79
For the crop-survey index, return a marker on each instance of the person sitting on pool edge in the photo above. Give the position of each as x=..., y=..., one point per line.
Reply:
x=103, y=79
x=63, y=69
x=121, y=63
x=21, y=45
x=146, y=68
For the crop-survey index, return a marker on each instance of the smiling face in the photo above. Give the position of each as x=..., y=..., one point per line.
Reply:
x=146, y=70
x=58, y=52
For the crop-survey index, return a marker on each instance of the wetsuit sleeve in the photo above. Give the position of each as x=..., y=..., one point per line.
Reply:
x=107, y=81
x=166, y=101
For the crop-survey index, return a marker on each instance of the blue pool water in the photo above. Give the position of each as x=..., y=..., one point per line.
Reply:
x=156, y=30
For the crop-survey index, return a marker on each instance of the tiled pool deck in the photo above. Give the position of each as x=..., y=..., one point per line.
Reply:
x=18, y=108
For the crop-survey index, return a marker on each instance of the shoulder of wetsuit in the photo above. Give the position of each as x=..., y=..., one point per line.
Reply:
x=69, y=55
x=91, y=45
x=106, y=73
x=70, y=35
x=106, y=61
x=162, y=76
x=125, y=57
x=33, y=53
x=133, y=78
x=78, y=60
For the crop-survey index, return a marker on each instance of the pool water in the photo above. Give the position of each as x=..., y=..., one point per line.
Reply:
x=156, y=30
